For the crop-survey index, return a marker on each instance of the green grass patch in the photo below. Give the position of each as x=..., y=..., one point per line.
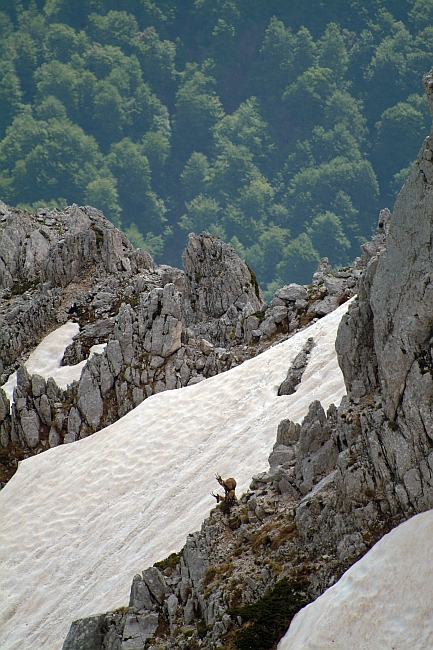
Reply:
x=169, y=562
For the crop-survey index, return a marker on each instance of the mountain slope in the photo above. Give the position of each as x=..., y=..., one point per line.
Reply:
x=79, y=520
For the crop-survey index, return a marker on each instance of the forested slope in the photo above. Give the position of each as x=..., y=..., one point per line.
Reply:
x=280, y=127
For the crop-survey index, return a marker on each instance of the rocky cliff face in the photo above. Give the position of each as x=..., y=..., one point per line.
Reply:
x=384, y=428
x=335, y=484
x=162, y=328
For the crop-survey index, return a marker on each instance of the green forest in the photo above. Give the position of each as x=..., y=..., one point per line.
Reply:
x=280, y=126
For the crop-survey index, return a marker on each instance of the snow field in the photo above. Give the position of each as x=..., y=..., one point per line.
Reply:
x=384, y=601
x=79, y=521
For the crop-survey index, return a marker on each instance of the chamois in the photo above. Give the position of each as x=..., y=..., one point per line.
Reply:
x=229, y=485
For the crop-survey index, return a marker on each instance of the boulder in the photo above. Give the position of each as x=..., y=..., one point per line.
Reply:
x=155, y=582
x=86, y=634
x=292, y=292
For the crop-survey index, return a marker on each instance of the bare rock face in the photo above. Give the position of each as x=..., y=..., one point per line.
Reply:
x=160, y=323
x=355, y=341
x=386, y=338
x=402, y=289
x=216, y=278
x=316, y=450
x=297, y=369
x=385, y=343
x=384, y=428
x=219, y=287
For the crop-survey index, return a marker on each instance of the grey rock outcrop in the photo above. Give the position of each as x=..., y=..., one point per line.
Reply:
x=296, y=370
x=316, y=450
x=216, y=278
x=160, y=321
x=220, y=290
x=138, y=628
x=355, y=341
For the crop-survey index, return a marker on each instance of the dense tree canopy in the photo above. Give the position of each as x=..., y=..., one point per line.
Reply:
x=279, y=127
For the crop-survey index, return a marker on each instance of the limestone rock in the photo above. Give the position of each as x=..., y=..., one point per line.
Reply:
x=140, y=595
x=155, y=583
x=54, y=437
x=74, y=423
x=138, y=629
x=30, y=424
x=196, y=559
x=355, y=341
x=90, y=402
x=86, y=634
x=292, y=292
x=38, y=385
x=43, y=408
x=159, y=321
x=4, y=405
x=69, y=258
x=325, y=306
x=297, y=369
x=323, y=269
x=402, y=280
x=114, y=356
x=215, y=279
x=316, y=450
x=281, y=455
x=288, y=432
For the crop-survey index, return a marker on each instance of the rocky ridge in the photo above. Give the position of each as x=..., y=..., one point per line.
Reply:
x=162, y=328
x=336, y=483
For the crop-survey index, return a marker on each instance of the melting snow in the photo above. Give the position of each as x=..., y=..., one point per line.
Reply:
x=45, y=360
x=385, y=600
x=78, y=521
